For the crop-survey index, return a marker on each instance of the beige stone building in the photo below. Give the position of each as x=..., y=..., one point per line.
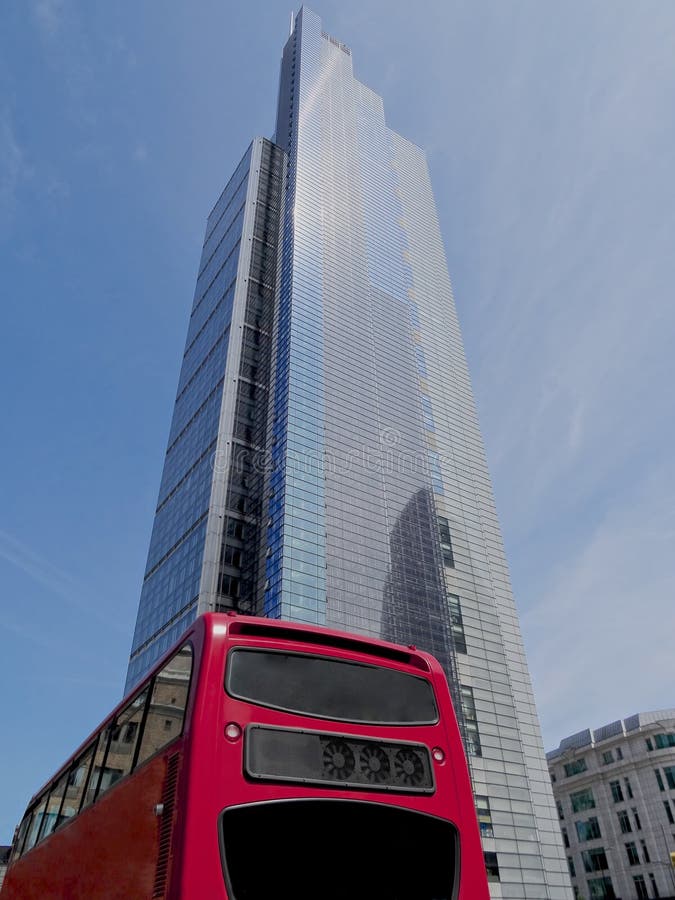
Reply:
x=615, y=791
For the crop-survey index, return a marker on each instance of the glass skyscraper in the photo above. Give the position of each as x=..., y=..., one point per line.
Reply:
x=325, y=463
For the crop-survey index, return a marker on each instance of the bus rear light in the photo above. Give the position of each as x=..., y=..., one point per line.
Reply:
x=438, y=755
x=232, y=731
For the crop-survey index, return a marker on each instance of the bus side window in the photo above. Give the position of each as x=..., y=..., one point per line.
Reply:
x=95, y=773
x=38, y=814
x=77, y=780
x=106, y=769
x=111, y=774
x=21, y=835
x=166, y=712
x=51, y=817
x=125, y=734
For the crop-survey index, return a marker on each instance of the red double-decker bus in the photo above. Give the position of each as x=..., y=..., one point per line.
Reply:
x=263, y=759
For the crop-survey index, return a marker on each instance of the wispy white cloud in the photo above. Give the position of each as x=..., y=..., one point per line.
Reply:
x=30, y=631
x=21, y=178
x=600, y=634
x=53, y=579
x=48, y=15
x=140, y=153
x=57, y=188
x=15, y=170
x=35, y=636
x=67, y=50
x=574, y=211
x=38, y=568
x=556, y=161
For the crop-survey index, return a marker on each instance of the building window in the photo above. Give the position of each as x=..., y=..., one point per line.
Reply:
x=617, y=794
x=632, y=854
x=638, y=824
x=570, y=866
x=484, y=815
x=582, y=800
x=648, y=742
x=576, y=767
x=594, y=860
x=619, y=753
x=130, y=733
x=446, y=542
x=457, y=623
x=561, y=814
x=669, y=812
x=588, y=830
x=659, y=780
x=629, y=789
x=421, y=362
x=601, y=888
x=230, y=556
x=624, y=822
x=427, y=414
x=235, y=528
x=607, y=757
x=491, y=866
x=553, y=778
x=473, y=747
x=566, y=840
x=645, y=852
x=661, y=741
x=670, y=776
x=228, y=585
x=640, y=887
x=652, y=881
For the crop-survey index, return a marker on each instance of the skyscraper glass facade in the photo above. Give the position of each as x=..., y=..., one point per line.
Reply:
x=341, y=478
x=209, y=508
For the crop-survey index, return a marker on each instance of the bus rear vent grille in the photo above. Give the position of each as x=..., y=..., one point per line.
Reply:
x=166, y=827
x=347, y=760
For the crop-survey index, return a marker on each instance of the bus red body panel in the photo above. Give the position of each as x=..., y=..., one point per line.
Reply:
x=108, y=851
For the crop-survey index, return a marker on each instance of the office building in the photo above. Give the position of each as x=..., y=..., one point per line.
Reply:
x=615, y=791
x=325, y=463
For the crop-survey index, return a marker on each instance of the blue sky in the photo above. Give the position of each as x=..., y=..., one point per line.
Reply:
x=550, y=134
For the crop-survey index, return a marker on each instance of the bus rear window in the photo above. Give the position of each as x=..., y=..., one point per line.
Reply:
x=330, y=688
